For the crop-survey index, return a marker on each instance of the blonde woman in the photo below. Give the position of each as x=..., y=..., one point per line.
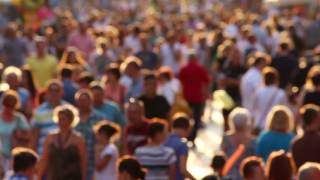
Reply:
x=278, y=133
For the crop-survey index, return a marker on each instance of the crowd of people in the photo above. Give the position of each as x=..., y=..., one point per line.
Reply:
x=118, y=92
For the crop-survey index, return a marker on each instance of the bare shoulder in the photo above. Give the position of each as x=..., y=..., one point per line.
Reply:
x=77, y=138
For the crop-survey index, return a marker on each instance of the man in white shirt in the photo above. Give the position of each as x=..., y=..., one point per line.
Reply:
x=252, y=79
x=266, y=97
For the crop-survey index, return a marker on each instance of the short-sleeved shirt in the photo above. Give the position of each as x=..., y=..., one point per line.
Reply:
x=157, y=160
x=111, y=112
x=7, y=129
x=136, y=135
x=156, y=106
x=180, y=148
x=269, y=141
x=110, y=170
x=193, y=77
x=42, y=69
x=86, y=130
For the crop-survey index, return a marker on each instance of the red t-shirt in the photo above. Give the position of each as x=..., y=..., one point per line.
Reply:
x=136, y=135
x=194, y=78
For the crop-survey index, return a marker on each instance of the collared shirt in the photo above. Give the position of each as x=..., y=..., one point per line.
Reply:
x=43, y=120
x=111, y=112
x=86, y=130
x=250, y=81
x=180, y=148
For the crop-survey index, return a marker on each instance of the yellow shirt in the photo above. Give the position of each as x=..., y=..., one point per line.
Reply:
x=43, y=69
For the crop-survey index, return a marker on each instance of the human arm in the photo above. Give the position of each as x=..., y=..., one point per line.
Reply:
x=43, y=164
x=172, y=172
x=183, y=167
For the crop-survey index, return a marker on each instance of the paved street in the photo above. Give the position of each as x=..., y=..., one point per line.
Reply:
x=207, y=142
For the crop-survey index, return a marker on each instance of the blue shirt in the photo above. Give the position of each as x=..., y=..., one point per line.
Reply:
x=269, y=141
x=180, y=148
x=69, y=88
x=111, y=112
x=86, y=130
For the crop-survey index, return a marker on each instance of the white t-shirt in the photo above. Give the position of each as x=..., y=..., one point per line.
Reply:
x=110, y=171
x=264, y=99
x=250, y=82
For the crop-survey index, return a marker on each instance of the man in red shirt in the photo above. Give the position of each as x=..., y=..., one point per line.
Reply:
x=195, y=80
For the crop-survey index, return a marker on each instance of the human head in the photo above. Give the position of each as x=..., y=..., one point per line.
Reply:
x=24, y=161
x=134, y=109
x=165, y=73
x=218, y=162
x=157, y=131
x=98, y=93
x=12, y=75
x=40, y=45
x=259, y=60
x=132, y=66
x=280, y=119
x=315, y=79
x=85, y=79
x=270, y=75
x=252, y=168
x=181, y=124
x=150, y=84
x=106, y=131
x=66, y=116
x=84, y=100
x=240, y=120
x=309, y=171
x=310, y=116
x=280, y=166
x=11, y=30
x=113, y=72
x=10, y=100
x=130, y=169
x=54, y=91
x=66, y=72
x=83, y=26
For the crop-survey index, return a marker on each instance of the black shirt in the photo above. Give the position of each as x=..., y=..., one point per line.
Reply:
x=155, y=107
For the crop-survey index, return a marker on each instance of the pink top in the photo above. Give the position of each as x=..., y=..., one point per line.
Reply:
x=83, y=42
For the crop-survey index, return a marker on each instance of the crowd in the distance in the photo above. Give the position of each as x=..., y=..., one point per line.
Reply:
x=120, y=93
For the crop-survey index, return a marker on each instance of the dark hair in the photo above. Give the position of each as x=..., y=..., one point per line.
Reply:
x=149, y=75
x=114, y=69
x=181, y=121
x=86, y=78
x=270, y=75
x=96, y=86
x=316, y=79
x=218, y=161
x=66, y=71
x=248, y=164
x=82, y=92
x=30, y=83
x=309, y=112
x=130, y=165
x=107, y=128
x=284, y=46
x=156, y=126
x=23, y=159
x=280, y=166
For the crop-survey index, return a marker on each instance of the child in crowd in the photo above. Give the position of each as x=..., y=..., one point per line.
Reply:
x=24, y=164
x=107, y=153
x=130, y=168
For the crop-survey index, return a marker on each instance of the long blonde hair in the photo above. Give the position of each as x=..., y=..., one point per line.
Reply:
x=280, y=119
